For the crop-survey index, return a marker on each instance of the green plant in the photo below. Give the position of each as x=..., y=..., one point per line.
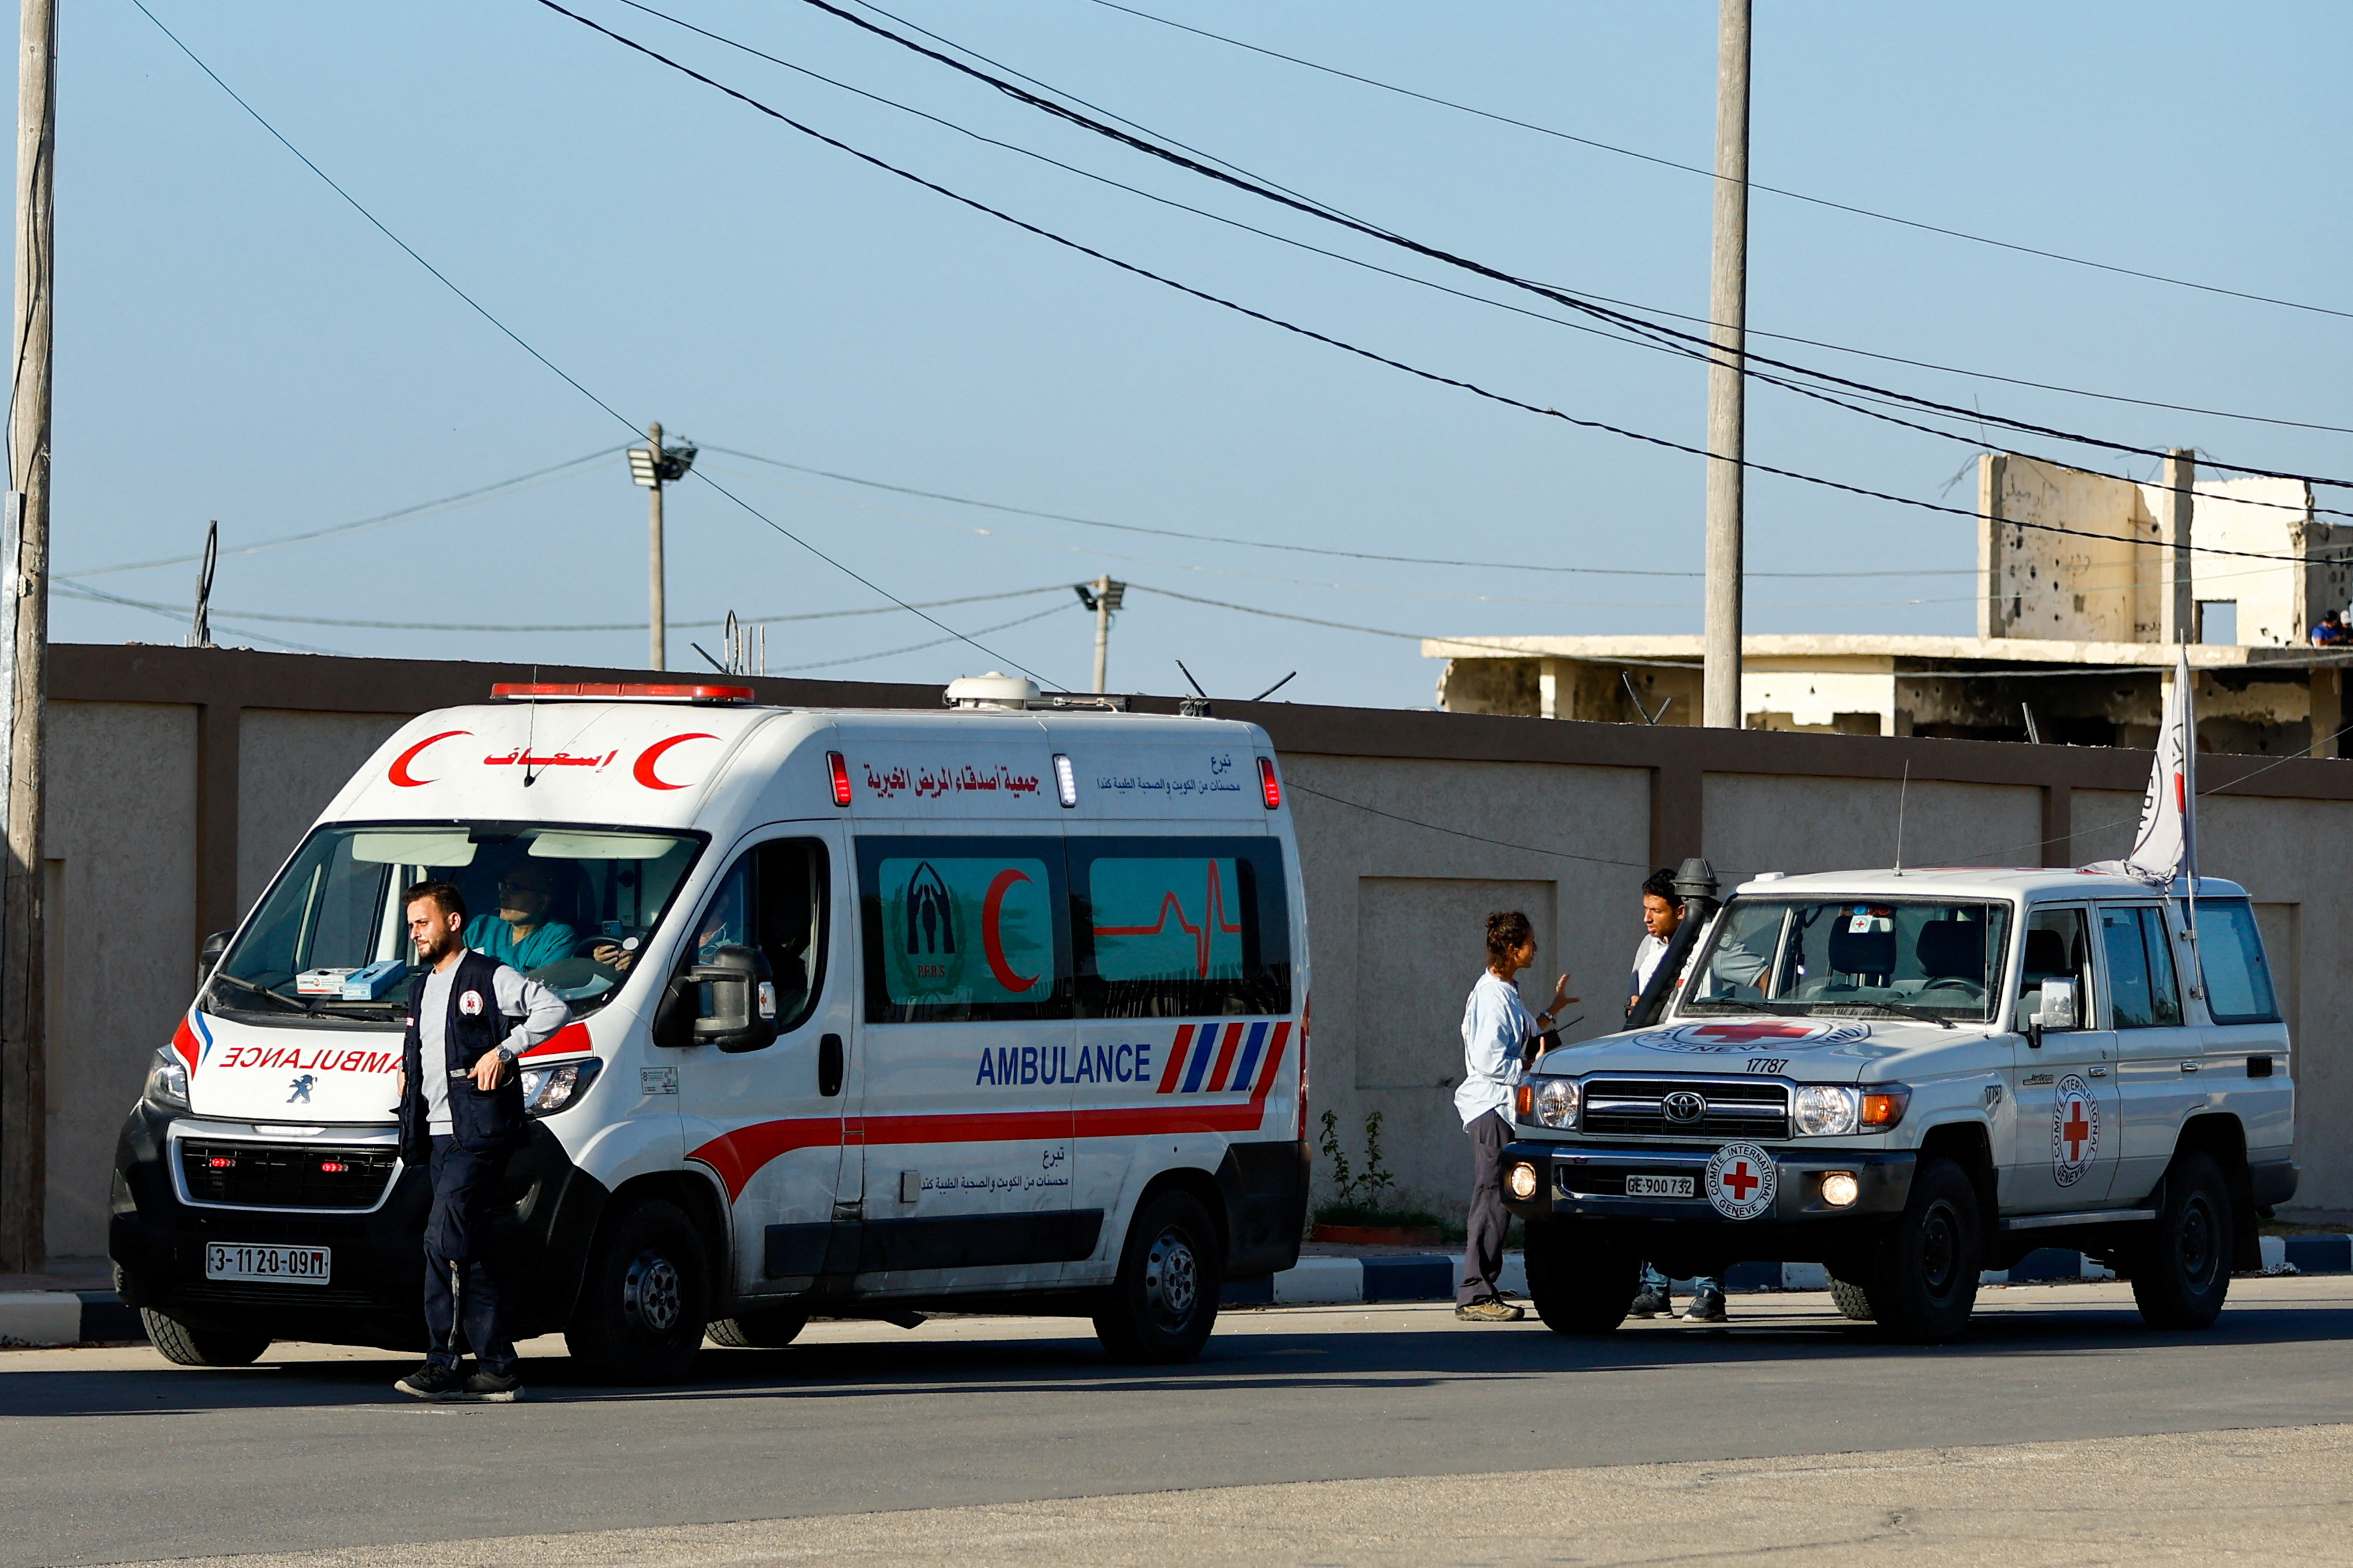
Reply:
x=1359, y=1193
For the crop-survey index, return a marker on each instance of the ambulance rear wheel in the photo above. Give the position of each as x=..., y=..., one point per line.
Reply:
x=184, y=1346
x=2181, y=1271
x=1923, y=1283
x=758, y=1331
x=644, y=1299
x=1580, y=1288
x=1160, y=1310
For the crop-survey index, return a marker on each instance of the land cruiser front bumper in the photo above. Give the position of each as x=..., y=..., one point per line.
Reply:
x=1587, y=1182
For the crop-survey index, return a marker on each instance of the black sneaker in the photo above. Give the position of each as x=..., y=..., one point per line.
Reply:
x=492, y=1388
x=1650, y=1303
x=432, y=1381
x=1706, y=1306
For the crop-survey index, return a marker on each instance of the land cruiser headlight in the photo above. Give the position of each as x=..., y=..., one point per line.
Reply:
x=167, y=1082
x=1821, y=1111
x=546, y=1090
x=1556, y=1102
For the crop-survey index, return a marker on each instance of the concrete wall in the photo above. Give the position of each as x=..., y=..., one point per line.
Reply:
x=166, y=819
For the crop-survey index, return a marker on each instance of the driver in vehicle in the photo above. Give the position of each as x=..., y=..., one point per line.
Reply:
x=724, y=925
x=519, y=934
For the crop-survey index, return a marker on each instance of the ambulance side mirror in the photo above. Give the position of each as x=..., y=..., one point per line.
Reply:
x=734, y=1000
x=209, y=955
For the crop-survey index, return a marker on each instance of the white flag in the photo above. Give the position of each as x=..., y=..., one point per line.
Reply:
x=2167, y=846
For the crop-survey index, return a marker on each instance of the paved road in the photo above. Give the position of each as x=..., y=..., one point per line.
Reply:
x=313, y=1452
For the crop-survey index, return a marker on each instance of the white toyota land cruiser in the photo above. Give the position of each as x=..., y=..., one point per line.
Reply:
x=1909, y=1076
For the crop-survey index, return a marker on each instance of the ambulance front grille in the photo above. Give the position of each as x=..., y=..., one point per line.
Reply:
x=1641, y=1107
x=285, y=1175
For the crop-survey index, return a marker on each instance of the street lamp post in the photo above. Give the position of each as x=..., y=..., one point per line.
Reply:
x=654, y=466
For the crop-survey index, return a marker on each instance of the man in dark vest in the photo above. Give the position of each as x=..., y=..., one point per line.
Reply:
x=461, y=1114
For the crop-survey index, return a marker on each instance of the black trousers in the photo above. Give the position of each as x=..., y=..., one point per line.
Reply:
x=464, y=1274
x=1483, y=1248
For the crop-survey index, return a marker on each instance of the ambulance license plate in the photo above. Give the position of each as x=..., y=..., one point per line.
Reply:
x=277, y=1264
x=1662, y=1187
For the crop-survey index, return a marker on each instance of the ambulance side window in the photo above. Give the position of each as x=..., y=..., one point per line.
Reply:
x=1180, y=928
x=774, y=899
x=964, y=929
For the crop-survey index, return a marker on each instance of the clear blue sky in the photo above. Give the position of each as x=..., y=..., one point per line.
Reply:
x=234, y=342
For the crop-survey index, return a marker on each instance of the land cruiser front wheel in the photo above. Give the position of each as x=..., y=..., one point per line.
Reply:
x=1923, y=1282
x=1579, y=1289
x=1161, y=1308
x=2181, y=1270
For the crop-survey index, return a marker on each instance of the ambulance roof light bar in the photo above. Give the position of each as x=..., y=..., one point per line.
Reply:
x=617, y=691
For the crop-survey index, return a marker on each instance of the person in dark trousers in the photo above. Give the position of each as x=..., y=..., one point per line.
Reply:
x=1496, y=1031
x=1662, y=915
x=461, y=1115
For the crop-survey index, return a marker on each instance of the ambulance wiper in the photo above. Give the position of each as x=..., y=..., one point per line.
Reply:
x=263, y=991
x=1898, y=1008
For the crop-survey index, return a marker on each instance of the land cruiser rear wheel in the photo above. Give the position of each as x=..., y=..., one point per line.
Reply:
x=1850, y=1298
x=2181, y=1270
x=644, y=1297
x=184, y=1346
x=1923, y=1282
x=1164, y=1303
x=758, y=1331
x=1579, y=1287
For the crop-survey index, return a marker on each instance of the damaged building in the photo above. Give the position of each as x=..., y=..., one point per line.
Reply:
x=2085, y=582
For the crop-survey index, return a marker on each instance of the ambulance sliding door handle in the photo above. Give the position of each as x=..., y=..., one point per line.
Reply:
x=828, y=1065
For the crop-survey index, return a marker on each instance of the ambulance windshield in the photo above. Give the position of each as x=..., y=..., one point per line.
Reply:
x=572, y=907
x=1858, y=957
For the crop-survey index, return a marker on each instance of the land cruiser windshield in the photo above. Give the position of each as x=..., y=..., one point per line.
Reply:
x=1858, y=957
x=572, y=907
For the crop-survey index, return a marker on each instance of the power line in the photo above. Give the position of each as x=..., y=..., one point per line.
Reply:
x=1329, y=214
x=1753, y=185
x=516, y=339
x=423, y=508
x=1327, y=339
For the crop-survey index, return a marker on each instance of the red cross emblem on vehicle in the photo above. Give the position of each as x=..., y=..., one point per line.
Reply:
x=1739, y=1180
x=1748, y=1034
x=2077, y=1130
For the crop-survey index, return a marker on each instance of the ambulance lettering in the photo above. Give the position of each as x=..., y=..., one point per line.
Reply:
x=1128, y=1062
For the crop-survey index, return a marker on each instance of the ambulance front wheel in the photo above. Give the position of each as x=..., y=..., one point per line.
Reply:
x=1164, y=1303
x=184, y=1346
x=1580, y=1288
x=645, y=1298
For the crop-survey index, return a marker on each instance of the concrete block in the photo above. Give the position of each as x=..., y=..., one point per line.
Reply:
x=40, y=1318
x=1805, y=1277
x=2319, y=1254
x=2275, y=1252
x=1752, y=1277
x=1516, y=1274
x=1430, y=1279
x=1323, y=1279
x=1247, y=1292
x=2047, y=1263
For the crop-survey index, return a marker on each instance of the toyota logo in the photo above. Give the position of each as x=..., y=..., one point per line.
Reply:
x=1685, y=1106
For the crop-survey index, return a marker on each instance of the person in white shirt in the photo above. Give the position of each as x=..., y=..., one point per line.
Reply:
x=1662, y=915
x=1496, y=1033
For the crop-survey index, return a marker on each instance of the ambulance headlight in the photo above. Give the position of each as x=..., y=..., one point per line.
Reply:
x=167, y=1082
x=546, y=1090
x=1823, y=1110
x=1556, y=1102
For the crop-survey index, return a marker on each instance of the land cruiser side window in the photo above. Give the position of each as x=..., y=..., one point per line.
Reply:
x=2057, y=948
x=2238, y=981
x=2141, y=994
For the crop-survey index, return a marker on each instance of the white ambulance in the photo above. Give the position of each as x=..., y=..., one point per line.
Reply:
x=999, y=1008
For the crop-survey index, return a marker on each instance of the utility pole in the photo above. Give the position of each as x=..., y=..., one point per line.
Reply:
x=24, y=644
x=2179, y=618
x=1728, y=310
x=1103, y=597
x=658, y=612
x=654, y=465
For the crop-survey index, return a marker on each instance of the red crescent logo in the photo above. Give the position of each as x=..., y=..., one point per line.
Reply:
x=992, y=940
x=399, y=773
x=653, y=754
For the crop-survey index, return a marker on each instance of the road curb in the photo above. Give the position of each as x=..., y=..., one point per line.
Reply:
x=49, y=1318
x=1430, y=1276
